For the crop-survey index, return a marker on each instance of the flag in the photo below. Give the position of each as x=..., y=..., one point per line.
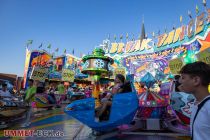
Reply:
x=189, y=14
x=49, y=46
x=204, y=3
x=133, y=38
x=165, y=29
x=180, y=18
x=64, y=51
x=56, y=50
x=127, y=36
x=40, y=45
x=115, y=37
x=44, y=50
x=196, y=9
x=73, y=51
x=121, y=37
x=29, y=42
x=108, y=36
x=153, y=34
x=174, y=27
x=158, y=32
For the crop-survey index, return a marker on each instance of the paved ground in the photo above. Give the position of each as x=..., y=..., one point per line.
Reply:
x=57, y=121
x=50, y=120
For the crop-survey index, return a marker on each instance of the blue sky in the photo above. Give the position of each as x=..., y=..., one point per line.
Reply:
x=80, y=24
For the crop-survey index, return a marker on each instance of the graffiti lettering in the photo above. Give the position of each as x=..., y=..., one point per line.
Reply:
x=38, y=74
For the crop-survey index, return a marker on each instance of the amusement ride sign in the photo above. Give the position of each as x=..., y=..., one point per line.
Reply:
x=174, y=38
x=119, y=70
x=68, y=75
x=39, y=74
x=175, y=65
x=204, y=56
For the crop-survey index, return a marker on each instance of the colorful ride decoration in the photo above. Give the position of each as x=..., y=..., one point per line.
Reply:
x=182, y=104
x=165, y=91
x=39, y=73
x=67, y=75
x=55, y=76
x=119, y=70
x=151, y=104
x=42, y=101
x=56, y=66
x=146, y=54
x=175, y=65
x=36, y=58
x=148, y=80
x=95, y=65
x=151, y=99
x=81, y=76
x=204, y=56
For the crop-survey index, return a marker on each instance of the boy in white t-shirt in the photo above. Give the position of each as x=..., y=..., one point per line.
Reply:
x=195, y=78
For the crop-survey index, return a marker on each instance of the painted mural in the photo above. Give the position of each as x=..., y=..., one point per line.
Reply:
x=153, y=55
x=55, y=65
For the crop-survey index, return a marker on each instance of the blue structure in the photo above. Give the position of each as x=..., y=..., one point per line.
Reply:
x=123, y=109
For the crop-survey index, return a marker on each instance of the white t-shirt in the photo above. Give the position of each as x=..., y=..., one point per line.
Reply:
x=201, y=129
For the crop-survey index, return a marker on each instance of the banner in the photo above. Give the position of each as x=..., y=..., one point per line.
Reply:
x=119, y=71
x=28, y=56
x=55, y=76
x=59, y=63
x=39, y=74
x=204, y=56
x=175, y=65
x=68, y=75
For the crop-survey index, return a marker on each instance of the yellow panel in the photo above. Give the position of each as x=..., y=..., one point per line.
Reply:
x=169, y=38
x=128, y=46
x=208, y=18
x=137, y=45
x=209, y=88
x=190, y=28
x=161, y=39
x=114, y=48
x=199, y=23
x=177, y=33
x=120, y=47
x=144, y=44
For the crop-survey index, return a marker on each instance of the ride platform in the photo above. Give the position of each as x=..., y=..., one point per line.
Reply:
x=57, y=120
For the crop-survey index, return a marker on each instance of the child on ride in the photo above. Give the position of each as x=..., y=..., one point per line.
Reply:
x=120, y=87
x=119, y=81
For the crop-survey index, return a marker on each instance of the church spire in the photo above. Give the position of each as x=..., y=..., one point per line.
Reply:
x=143, y=35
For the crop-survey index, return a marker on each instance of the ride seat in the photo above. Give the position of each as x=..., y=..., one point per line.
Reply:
x=105, y=116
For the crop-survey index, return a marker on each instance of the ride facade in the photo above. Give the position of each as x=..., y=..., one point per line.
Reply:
x=84, y=110
x=49, y=71
x=162, y=57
